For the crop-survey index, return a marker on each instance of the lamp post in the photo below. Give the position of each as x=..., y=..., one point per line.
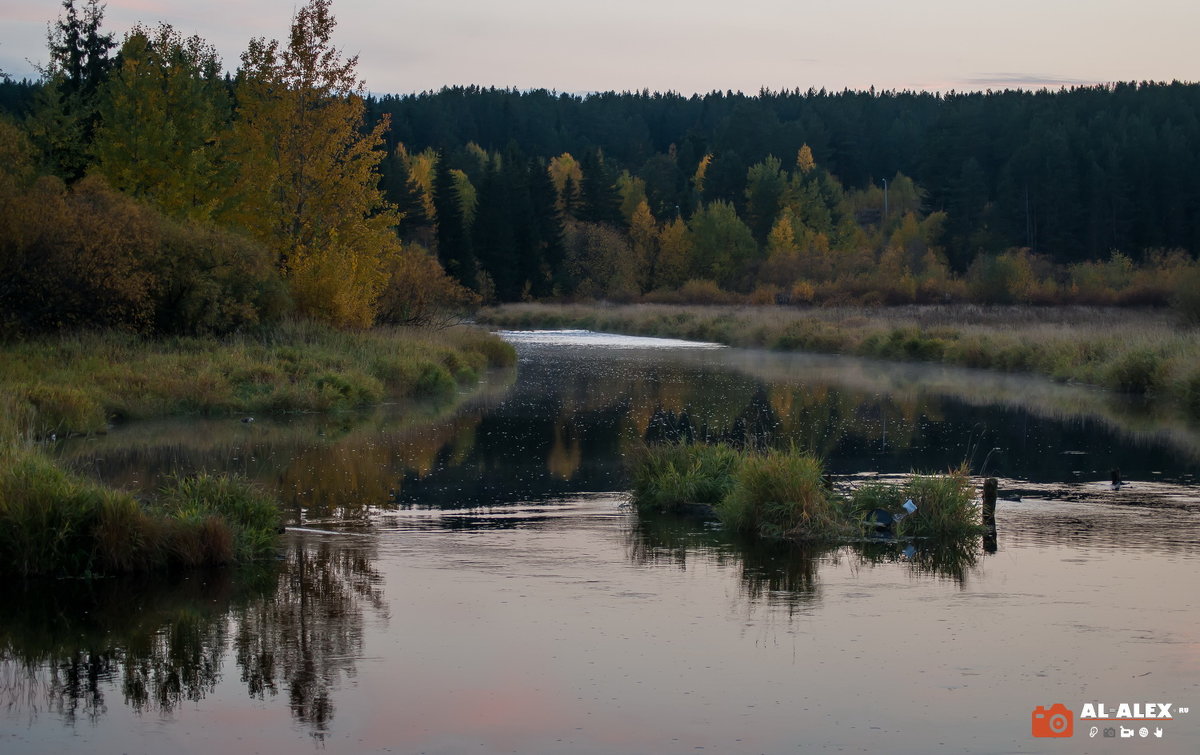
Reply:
x=885, y=199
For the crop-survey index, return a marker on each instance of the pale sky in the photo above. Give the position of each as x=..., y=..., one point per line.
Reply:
x=692, y=45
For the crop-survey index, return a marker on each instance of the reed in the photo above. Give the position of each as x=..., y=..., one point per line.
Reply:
x=673, y=476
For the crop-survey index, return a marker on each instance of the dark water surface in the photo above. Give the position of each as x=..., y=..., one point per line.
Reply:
x=468, y=578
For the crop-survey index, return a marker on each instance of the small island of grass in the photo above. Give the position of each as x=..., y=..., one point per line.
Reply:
x=784, y=494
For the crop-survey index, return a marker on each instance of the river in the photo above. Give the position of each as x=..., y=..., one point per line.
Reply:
x=469, y=577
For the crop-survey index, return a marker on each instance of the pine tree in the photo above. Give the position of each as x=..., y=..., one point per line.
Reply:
x=402, y=193
x=548, y=231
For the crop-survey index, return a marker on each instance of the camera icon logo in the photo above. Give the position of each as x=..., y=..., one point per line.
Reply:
x=1056, y=721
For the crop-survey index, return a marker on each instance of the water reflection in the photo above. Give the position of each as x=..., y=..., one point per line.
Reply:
x=566, y=426
x=293, y=627
x=786, y=573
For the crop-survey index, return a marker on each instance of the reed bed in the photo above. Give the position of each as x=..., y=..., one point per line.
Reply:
x=1141, y=352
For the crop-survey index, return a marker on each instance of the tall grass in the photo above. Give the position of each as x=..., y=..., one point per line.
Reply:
x=783, y=494
x=79, y=383
x=54, y=523
x=945, y=506
x=1143, y=352
x=670, y=477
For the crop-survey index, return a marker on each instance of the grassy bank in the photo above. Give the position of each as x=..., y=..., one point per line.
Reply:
x=80, y=383
x=783, y=494
x=53, y=522
x=1143, y=352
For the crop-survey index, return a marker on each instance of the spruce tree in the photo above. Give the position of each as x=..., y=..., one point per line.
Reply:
x=453, y=244
x=599, y=200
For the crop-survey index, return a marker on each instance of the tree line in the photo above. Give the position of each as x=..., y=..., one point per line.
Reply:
x=873, y=197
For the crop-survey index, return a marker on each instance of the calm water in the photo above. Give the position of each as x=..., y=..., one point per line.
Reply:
x=468, y=578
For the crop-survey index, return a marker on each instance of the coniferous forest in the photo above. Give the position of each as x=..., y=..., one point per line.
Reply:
x=1077, y=195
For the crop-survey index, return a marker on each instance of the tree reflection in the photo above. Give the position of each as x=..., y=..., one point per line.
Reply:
x=295, y=627
x=306, y=636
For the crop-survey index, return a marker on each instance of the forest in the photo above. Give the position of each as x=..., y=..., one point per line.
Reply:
x=218, y=198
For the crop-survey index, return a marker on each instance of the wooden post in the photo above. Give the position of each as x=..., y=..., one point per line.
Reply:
x=990, y=489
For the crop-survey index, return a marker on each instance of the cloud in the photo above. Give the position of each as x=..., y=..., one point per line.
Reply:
x=1009, y=80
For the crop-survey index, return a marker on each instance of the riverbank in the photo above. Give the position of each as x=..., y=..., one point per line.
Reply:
x=81, y=383
x=1140, y=352
x=54, y=522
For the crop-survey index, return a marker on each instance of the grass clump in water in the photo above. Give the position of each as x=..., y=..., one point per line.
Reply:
x=783, y=494
x=945, y=506
x=670, y=477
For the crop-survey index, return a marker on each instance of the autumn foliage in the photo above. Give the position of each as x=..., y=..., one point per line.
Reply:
x=192, y=206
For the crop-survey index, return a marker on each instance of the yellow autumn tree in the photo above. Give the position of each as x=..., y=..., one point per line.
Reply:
x=643, y=235
x=674, y=255
x=308, y=187
x=567, y=175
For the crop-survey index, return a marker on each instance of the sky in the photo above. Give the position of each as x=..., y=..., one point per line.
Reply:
x=690, y=46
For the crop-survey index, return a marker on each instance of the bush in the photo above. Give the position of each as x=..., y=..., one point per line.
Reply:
x=1186, y=300
x=705, y=292
x=213, y=282
x=1001, y=279
x=418, y=291
x=1140, y=371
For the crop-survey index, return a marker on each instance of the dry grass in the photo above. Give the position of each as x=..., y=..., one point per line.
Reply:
x=1144, y=352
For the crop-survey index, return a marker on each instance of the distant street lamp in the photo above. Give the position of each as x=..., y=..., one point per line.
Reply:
x=885, y=198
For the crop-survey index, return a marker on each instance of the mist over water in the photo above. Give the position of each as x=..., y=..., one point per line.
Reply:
x=469, y=577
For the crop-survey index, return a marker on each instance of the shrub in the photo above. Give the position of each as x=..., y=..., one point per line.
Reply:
x=418, y=291
x=1139, y=371
x=704, y=292
x=1001, y=279
x=1186, y=300
x=213, y=281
